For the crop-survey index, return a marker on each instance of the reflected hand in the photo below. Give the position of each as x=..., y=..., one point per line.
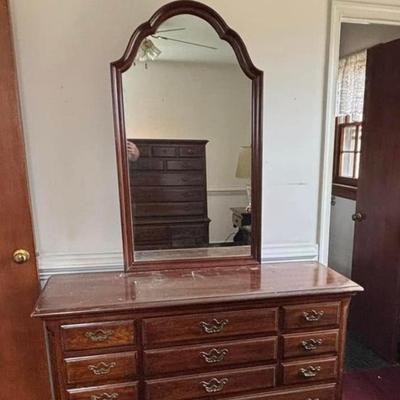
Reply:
x=133, y=151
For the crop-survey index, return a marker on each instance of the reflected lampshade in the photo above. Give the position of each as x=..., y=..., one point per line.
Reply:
x=243, y=169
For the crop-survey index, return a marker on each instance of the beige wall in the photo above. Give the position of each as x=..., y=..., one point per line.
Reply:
x=63, y=53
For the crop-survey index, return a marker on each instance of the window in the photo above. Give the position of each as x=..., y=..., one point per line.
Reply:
x=349, y=111
x=347, y=156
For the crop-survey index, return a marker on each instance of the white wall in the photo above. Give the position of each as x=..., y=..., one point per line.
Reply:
x=357, y=37
x=341, y=235
x=63, y=51
x=212, y=101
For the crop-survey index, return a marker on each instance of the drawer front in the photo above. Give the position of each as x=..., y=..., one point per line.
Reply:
x=151, y=233
x=127, y=391
x=146, y=164
x=181, y=165
x=98, y=335
x=168, y=209
x=308, y=344
x=309, y=371
x=191, y=151
x=171, y=179
x=101, y=368
x=325, y=392
x=144, y=149
x=211, y=385
x=181, y=359
x=209, y=326
x=164, y=151
x=167, y=194
x=311, y=315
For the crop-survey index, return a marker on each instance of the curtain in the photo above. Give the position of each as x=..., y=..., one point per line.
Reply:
x=351, y=86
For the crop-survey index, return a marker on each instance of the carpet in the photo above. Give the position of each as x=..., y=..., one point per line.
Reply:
x=377, y=384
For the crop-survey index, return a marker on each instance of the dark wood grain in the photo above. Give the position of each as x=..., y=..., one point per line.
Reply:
x=325, y=392
x=310, y=344
x=376, y=257
x=98, y=335
x=209, y=356
x=126, y=391
x=101, y=368
x=200, y=326
x=292, y=371
x=302, y=316
x=192, y=387
x=124, y=63
x=24, y=373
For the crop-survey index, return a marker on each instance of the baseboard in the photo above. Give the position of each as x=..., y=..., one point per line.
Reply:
x=59, y=264
x=290, y=252
x=78, y=263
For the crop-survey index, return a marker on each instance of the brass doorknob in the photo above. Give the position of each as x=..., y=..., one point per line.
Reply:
x=358, y=217
x=21, y=256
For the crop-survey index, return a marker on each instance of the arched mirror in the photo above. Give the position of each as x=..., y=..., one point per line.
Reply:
x=187, y=109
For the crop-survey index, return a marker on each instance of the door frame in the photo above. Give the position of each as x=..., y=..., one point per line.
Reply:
x=341, y=12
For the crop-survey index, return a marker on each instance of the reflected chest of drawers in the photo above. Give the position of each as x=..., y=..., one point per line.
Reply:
x=179, y=336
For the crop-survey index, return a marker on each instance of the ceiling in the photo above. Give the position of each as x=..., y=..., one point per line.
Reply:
x=198, y=31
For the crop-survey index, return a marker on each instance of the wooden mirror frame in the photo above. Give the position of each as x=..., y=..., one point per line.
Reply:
x=255, y=75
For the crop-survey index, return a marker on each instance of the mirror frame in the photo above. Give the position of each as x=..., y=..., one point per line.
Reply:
x=254, y=74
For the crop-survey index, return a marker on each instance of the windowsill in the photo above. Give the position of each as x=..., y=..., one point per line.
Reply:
x=347, y=192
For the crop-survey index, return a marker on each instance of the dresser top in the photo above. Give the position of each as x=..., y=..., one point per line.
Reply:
x=114, y=291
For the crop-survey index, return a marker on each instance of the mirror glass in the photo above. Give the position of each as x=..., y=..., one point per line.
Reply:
x=187, y=108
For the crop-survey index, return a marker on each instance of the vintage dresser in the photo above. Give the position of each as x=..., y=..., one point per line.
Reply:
x=169, y=199
x=267, y=332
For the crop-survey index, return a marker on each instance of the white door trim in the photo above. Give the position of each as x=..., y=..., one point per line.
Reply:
x=353, y=12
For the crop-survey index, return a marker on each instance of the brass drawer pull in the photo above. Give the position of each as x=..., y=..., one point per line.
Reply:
x=214, y=326
x=313, y=316
x=309, y=372
x=100, y=335
x=215, y=385
x=102, y=368
x=214, y=355
x=313, y=399
x=312, y=344
x=106, y=396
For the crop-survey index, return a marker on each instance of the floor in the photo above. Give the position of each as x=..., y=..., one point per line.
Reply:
x=368, y=377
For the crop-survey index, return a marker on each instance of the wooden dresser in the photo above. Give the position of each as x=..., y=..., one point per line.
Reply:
x=169, y=194
x=267, y=332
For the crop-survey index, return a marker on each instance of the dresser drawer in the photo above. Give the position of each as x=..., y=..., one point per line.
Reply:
x=146, y=164
x=311, y=315
x=101, y=368
x=170, y=179
x=188, y=165
x=191, y=151
x=168, y=194
x=322, y=392
x=164, y=151
x=309, y=371
x=168, y=209
x=181, y=359
x=151, y=233
x=211, y=384
x=307, y=344
x=209, y=326
x=98, y=335
x=126, y=391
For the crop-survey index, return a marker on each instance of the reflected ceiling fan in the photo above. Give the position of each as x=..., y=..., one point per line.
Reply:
x=148, y=51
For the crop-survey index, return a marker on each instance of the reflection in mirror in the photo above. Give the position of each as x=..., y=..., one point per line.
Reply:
x=187, y=106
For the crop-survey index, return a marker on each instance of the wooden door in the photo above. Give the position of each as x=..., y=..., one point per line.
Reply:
x=23, y=368
x=376, y=257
